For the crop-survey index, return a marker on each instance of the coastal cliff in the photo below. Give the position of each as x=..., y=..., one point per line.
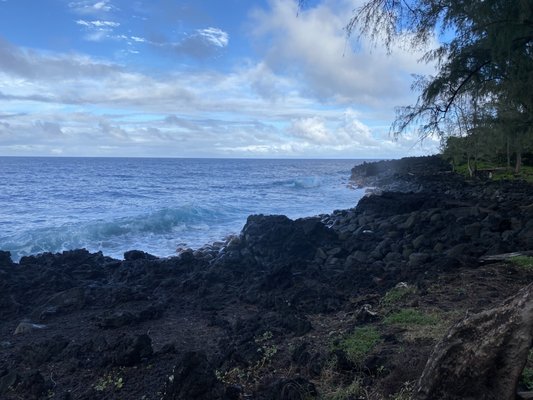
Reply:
x=341, y=306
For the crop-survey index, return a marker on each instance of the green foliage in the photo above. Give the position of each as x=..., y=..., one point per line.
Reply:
x=489, y=154
x=251, y=374
x=396, y=294
x=109, y=381
x=523, y=262
x=266, y=336
x=410, y=316
x=526, y=378
x=484, y=79
x=267, y=351
x=360, y=343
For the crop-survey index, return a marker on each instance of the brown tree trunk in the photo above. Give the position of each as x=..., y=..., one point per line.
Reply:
x=482, y=356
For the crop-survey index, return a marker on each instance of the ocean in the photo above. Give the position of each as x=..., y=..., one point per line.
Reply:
x=112, y=205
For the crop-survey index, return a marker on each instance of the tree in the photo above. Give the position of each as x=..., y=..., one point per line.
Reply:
x=485, y=57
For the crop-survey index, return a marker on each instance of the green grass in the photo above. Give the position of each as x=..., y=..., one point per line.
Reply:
x=360, y=343
x=526, y=172
x=396, y=294
x=410, y=316
x=525, y=262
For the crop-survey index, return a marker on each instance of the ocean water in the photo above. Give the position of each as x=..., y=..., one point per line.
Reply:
x=156, y=205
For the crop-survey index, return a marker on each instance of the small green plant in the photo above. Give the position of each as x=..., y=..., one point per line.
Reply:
x=233, y=375
x=267, y=351
x=526, y=378
x=410, y=316
x=360, y=343
x=396, y=294
x=109, y=381
x=252, y=373
x=265, y=337
x=525, y=262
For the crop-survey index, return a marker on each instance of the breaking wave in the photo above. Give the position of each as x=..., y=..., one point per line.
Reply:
x=116, y=236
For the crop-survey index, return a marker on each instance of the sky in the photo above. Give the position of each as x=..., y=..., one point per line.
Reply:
x=199, y=78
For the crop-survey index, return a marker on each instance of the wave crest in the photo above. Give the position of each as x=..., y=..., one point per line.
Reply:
x=109, y=235
x=305, y=182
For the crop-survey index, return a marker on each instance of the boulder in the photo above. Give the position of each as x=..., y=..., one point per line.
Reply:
x=5, y=259
x=132, y=350
x=483, y=355
x=34, y=385
x=418, y=259
x=289, y=389
x=116, y=319
x=193, y=378
x=278, y=239
x=8, y=380
x=26, y=327
x=133, y=255
x=35, y=354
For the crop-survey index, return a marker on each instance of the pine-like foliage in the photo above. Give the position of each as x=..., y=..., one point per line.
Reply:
x=484, y=78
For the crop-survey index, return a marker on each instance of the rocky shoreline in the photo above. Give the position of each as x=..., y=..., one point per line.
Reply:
x=277, y=312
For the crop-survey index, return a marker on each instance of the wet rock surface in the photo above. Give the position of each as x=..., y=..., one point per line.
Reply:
x=268, y=314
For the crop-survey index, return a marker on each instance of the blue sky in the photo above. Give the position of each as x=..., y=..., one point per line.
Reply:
x=177, y=78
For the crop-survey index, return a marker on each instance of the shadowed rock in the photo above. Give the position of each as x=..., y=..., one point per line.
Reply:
x=482, y=356
x=193, y=378
x=278, y=239
x=290, y=389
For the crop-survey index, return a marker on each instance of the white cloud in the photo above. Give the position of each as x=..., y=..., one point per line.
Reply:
x=98, y=30
x=311, y=128
x=342, y=131
x=215, y=36
x=49, y=128
x=29, y=64
x=98, y=24
x=138, y=39
x=202, y=44
x=84, y=106
x=312, y=46
x=91, y=7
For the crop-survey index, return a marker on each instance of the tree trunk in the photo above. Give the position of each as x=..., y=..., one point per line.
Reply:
x=482, y=356
x=508, y=154
x=470, y=170
x=518, y=164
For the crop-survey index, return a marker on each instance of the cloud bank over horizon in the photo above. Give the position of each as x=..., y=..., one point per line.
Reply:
x=143, y=79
